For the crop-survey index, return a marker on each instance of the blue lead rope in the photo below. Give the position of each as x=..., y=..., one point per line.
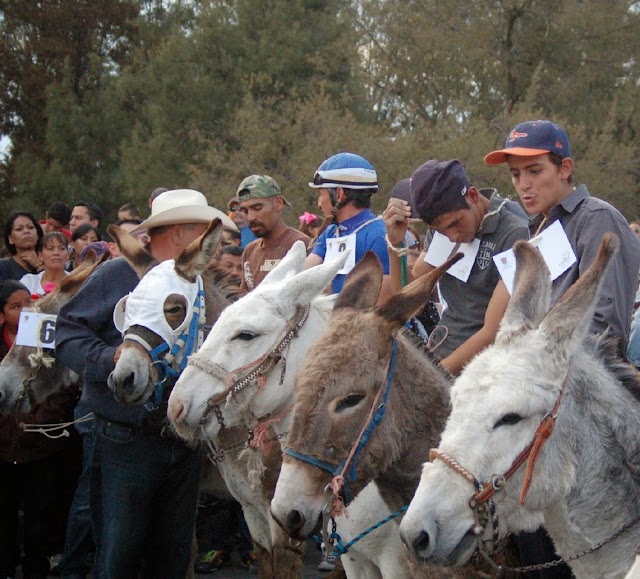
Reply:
x=340, y=549
x=375, y=420
x=380, y=412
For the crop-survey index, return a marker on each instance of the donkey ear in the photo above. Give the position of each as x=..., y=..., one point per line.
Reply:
x=362, y=284
x=291, y=264
x=309, y=283
x=195, y=259
x=531, y=291
x=569, y=320
x=411, y=299
x=138, y=257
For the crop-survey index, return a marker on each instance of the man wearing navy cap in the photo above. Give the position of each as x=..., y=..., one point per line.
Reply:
x=539, y=158
x=345, y=184
x=442, y=195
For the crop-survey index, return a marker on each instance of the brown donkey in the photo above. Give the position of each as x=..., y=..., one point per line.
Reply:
x=344, y=379
x=28, y=375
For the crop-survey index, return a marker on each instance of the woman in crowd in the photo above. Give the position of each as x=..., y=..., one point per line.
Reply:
x=22, y=238
x=54, y=255
x=82, y=236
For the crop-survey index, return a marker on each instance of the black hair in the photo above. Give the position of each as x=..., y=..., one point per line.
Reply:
x=157, y=191
x=61, y=212
x=83, y=229
x=61, y=237
x=230, y=250
x=94, y=210
x=557, y=161
x=9, y=228
x=361, y=198
x=128, y=221
x=131, y=208
x=7, y=288
x=233, y=233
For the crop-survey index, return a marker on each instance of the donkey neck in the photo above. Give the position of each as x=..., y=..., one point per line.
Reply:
x=416, y=413
x=597, y=441
x=214, y=300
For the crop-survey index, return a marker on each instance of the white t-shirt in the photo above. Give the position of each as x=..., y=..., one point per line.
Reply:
x=33, y=282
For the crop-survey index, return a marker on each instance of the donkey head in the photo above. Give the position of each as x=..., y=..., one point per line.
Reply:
x=159, y=310
x=498, y=403
x=336, y=389
x=28, y=376
x=248, y=331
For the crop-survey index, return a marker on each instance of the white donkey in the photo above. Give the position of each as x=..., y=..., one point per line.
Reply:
x=243, y=377
x=583, y=483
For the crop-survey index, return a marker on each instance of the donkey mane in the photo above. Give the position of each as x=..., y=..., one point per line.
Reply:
x=415, y=341
x=227, y=284
x=607, y=349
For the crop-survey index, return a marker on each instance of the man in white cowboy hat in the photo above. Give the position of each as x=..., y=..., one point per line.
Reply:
x=144, y=485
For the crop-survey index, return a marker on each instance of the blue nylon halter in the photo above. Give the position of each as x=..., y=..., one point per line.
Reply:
x=375, y=420
x=160, y=353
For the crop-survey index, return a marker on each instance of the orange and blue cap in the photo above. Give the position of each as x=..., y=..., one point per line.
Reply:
x=530, y=139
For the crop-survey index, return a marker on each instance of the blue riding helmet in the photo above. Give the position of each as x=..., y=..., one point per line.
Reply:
x=346, y=170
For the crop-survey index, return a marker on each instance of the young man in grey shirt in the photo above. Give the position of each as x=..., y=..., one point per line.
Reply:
x=539, y=159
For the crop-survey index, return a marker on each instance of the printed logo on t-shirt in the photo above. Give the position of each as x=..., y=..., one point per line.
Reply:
x=485, y=254
x=269, y=264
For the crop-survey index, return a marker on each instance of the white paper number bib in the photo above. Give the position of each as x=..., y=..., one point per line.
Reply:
x=36, y=330
x=555, y=248
x=337, y=245
x=441, y=249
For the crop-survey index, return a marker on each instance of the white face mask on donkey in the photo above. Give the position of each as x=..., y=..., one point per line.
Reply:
x=162, y=317
x=159, y=301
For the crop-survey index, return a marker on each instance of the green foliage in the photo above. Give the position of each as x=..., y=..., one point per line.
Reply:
x=286, y=139
x=109, y=100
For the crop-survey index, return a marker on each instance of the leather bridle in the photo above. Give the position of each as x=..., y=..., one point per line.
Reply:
x=481, y=503
x=254, y=372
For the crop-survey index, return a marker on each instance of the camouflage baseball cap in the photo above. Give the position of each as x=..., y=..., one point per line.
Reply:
x=259, y=186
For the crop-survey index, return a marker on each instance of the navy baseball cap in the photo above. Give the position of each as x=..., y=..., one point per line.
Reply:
x=402, y=190
x=436, y=187
x=530, y=139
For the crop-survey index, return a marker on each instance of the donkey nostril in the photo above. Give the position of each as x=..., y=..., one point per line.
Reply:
x=421, y=544
x=176, y=411
x=295, y=521
x=126, y=384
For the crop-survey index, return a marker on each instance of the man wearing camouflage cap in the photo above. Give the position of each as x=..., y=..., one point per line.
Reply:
x=262, y=202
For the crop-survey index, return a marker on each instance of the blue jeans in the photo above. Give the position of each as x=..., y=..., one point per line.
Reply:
x=144, y=490
x=78, y=541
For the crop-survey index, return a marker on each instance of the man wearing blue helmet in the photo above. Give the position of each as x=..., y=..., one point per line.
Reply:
x=345, y=183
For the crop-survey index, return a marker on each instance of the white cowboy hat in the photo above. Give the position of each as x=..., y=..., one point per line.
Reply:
x=182, y=206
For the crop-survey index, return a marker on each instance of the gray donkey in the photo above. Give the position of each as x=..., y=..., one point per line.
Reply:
x=500, y=454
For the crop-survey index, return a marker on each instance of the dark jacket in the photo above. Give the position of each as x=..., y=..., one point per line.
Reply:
x=86, y=339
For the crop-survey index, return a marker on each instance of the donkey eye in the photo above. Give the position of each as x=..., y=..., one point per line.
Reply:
x=246, y=336
x=508, y=420
x=349, y=402
x=173, y=310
